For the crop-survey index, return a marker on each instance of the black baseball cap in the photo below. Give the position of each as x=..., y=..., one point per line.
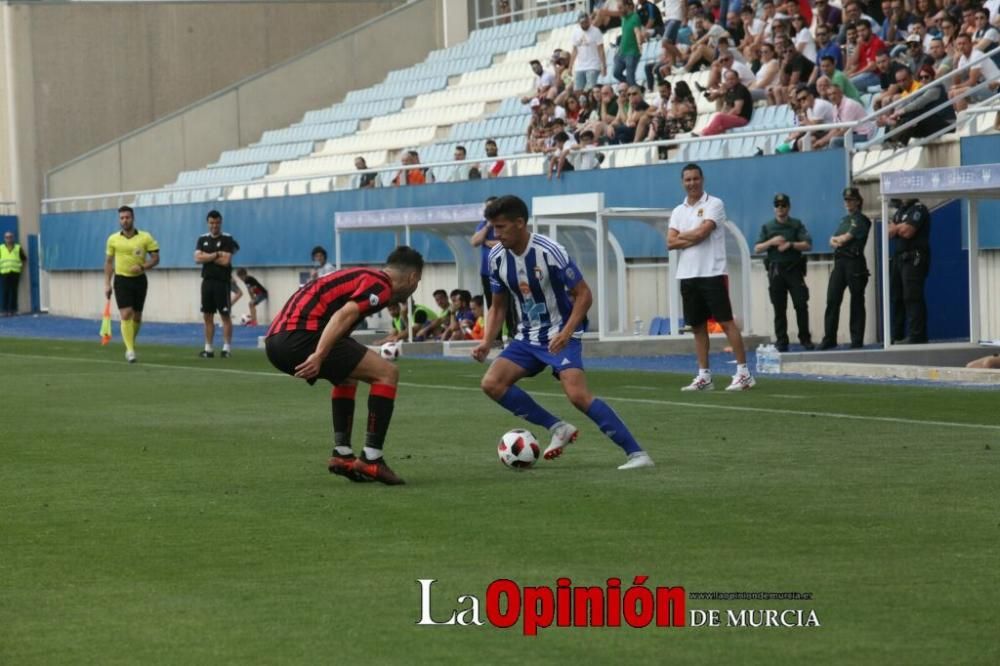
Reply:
x=852, y=193
x=780, y=199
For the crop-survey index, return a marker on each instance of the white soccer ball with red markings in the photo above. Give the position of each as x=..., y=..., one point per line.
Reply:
x=390, y=351
x=518, y=449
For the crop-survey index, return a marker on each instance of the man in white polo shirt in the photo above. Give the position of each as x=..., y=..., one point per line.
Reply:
x=696, y=231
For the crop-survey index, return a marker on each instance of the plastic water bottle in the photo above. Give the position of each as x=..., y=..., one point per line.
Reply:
x=769, y=360
x=760, y=359
x=638, y=326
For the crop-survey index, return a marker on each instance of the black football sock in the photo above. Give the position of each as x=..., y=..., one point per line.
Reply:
x=342, y=401
x=381, y=401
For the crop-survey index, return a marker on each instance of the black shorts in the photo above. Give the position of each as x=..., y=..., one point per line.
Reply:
x=704, y=297
x=130, y=292
x=288, y=349
x=215, y=297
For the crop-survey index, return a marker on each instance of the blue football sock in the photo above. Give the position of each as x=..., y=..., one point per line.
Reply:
x=611, y=425
x=523, y=405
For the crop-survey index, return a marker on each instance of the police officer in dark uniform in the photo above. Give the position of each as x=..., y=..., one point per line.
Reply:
x=911, y=262
x=850, y=271
x=784, y=239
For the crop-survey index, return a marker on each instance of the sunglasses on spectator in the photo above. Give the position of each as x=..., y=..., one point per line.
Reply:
x=781, y=205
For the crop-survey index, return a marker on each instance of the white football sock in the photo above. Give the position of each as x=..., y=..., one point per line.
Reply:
x=372, y=453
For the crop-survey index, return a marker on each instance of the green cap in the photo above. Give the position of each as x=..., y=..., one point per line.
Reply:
x=780, y=199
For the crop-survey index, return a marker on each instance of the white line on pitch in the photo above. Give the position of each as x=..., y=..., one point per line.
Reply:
x=714, y=405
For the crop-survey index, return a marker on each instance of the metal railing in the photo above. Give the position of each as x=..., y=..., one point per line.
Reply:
x=500, y=15
x=284, y=186
x=8, y=208
x=927, y=113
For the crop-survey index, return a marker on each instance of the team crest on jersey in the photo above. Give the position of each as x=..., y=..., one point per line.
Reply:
x=570, y=273
x=137, y=251
x=525, y=288
x=538, y=274
x=373, y=299
x=701, y=212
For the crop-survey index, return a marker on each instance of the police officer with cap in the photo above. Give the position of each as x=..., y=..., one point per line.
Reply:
x=784, y=239
x=850, y=271
x=911, y=262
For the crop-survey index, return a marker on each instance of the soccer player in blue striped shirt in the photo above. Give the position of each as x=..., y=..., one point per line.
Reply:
x=535, y=274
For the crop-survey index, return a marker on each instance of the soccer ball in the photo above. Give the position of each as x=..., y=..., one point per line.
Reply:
x=245, y=319
x=390, y=351
x=518, y=449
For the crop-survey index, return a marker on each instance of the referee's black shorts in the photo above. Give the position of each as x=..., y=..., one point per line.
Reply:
x=215, y=296
x=705, y=297
x=287, y=349
x=130, y=292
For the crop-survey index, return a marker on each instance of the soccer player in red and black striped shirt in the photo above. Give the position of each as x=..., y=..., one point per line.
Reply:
x=310, y=338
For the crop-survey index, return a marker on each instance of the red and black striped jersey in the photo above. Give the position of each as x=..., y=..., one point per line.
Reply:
x=312, y=306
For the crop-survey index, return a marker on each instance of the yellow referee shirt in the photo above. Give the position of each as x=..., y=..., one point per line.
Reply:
x=129, y=252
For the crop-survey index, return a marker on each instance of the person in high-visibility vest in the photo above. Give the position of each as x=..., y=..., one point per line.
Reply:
x=12, y=260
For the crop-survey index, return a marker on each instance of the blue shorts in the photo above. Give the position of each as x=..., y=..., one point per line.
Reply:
x=671, y=30
x=534, y=359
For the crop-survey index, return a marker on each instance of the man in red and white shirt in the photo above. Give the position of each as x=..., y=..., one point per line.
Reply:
x=310, y=339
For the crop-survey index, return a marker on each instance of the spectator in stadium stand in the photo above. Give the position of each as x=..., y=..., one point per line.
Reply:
x=412, y=173
x=803, y=39
x=985, y=37
x=784, y=239
x=949, y=30
x=561, y=145
x=580, y=157
x=904, y=83
x=587, y=59
x=551, y=111
x=795, y=69
x=493, y=167
x=545, y=81
x=734, y=108
x=753, y=28
x=321, y=263
x=811, y=111
x=838, y=78
x=865, y=74
x=886, y=69
x=683, y=113
x=853, y=16
x=364, y=179
x=825, y=14
x=826, y=46
x=636, y=120
x=675, y=15
x=943, y=61
x=703, y=51
x=896, y=24
x=767, y=74
x=914, y=57
x=650, y=18
x=929, y=96
x=607, y=15
x=256, y=292
x=982, y=69
x=457, y=172
x=722, y=64
x=630, y=46
x=845, y=110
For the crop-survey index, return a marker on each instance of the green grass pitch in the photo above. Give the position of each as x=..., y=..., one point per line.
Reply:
x=179, y=512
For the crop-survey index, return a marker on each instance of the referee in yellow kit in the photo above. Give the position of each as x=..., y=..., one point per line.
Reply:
x=130, y=253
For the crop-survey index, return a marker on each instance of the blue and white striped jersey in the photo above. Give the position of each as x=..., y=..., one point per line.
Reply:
x=538, y=283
